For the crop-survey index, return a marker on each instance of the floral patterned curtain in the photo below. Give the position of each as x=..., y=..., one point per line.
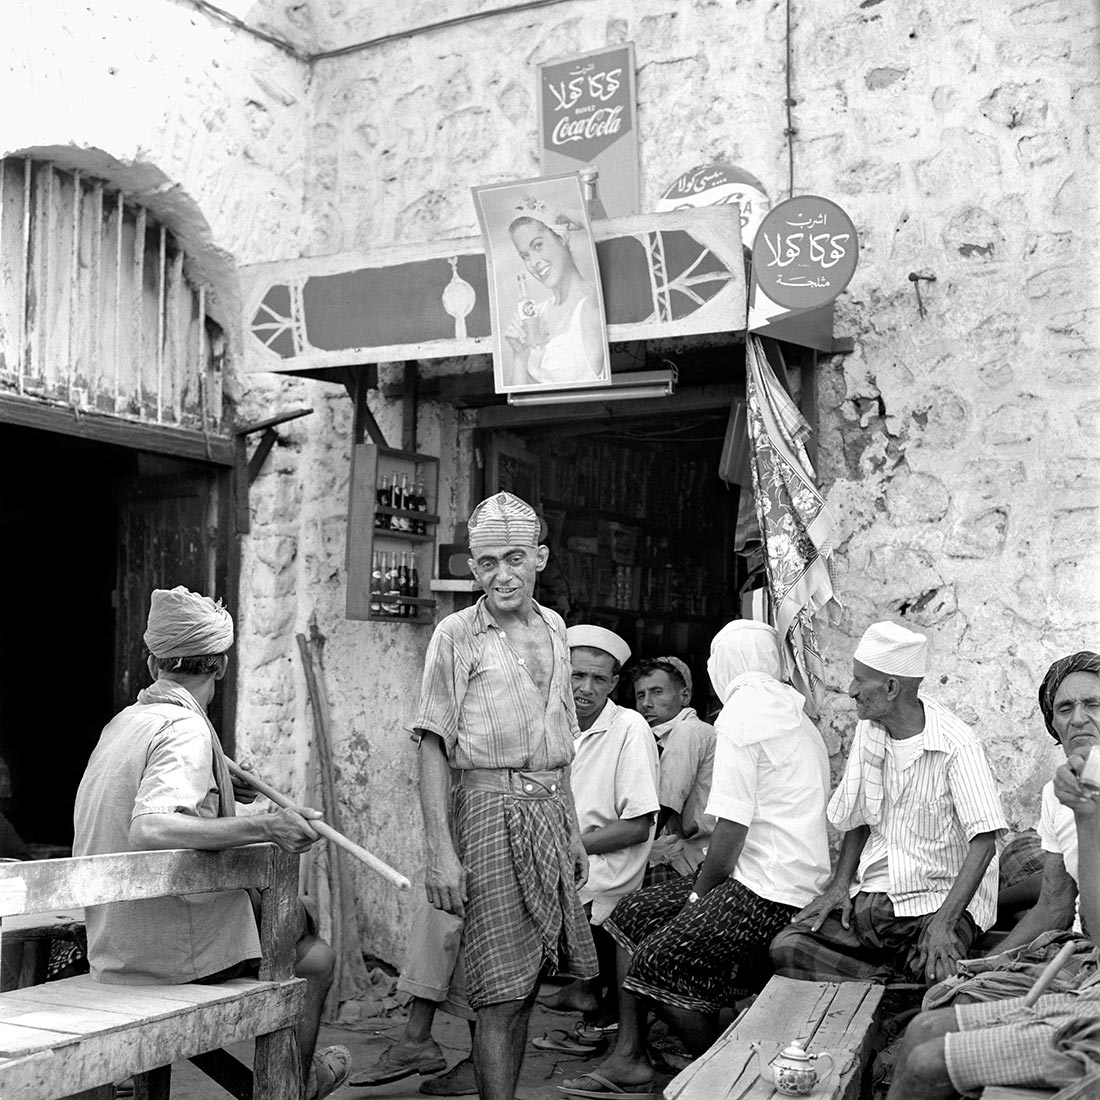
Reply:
x=794, y=521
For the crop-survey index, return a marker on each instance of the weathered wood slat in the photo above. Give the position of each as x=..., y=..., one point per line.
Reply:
x=42, y=885
x=1004, y=1092
x=79, y=1062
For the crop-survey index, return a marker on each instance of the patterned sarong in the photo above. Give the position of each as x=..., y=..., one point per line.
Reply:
x=700, y=957
x=522, y=911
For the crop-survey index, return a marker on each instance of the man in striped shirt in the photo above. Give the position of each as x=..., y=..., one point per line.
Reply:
x=496, y=707
x=916, y=878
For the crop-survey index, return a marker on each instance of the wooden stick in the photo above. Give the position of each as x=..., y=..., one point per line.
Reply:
x=1050, y=973
x=327, y=831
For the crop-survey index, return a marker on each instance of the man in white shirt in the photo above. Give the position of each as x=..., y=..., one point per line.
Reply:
x=614, y=782
x=916, y=879
x=662, y=694
x=1000, y=1040
x=687, y=948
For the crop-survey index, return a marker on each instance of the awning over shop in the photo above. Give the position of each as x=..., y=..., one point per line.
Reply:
x=663, y=275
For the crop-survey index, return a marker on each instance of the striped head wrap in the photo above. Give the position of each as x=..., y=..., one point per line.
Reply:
x=186, y=624
x=1085, y=661
x=504, y=520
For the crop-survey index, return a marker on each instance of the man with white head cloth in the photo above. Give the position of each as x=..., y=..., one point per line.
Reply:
x=687, y=948
x=158, y=779
x=916, y=878
x=496, y=708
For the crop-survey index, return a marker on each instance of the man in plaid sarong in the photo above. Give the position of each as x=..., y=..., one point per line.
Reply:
x=496, y=706
x=1001, y=1039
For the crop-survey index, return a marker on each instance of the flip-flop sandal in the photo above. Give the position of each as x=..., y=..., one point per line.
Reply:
x=594, y=1033
x=385, y=1071
x=609, y=1088
x=559, y=1039
x=334, y=1060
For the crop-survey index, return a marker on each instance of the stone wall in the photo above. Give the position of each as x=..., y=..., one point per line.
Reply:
x=959, y=448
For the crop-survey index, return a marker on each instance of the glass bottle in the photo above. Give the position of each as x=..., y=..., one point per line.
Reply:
x=528, y=311
x=385, y=499
x=590, y=180
x=375, y=584
x=392, y=605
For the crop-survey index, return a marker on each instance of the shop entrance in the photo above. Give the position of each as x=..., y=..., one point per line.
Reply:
x=641, y=529
x=90, y=528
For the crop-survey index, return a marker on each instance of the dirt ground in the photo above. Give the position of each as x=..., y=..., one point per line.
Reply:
x=542, y=1071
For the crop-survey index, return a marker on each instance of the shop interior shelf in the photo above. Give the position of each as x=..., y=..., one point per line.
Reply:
x=405, y=513
x=402, y=536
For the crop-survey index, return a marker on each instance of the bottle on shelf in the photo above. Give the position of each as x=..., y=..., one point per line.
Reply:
x=405, y=609
x=375, y=584
x=397, y=500
x=414, y=586
x=385, y=499
x=391, y=604
x=421, y=505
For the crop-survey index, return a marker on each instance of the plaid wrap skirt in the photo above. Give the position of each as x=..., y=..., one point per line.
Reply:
x=522, y=909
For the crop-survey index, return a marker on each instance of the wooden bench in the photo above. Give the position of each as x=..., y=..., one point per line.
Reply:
x=1004, y=1092
x=77, y=1036
x=834, y=1017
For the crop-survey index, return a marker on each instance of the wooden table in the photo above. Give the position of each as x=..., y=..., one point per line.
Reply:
x=834, y=1017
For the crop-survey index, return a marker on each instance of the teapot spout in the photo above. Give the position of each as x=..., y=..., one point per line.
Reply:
x=763, y=1066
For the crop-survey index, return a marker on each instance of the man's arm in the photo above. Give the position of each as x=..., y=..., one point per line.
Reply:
x=836, y=894
x=1053, y=910
x=616, y=835
x=289, y=828
x=723, y=852
x=1084, y=801
x=939, y=946
x=444, y=877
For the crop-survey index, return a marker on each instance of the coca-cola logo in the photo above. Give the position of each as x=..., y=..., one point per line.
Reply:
x=586, y=103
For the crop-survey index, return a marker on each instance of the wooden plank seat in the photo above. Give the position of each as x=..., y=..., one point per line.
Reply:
x=79, y=1036
x=1005, y=1092
x=834, y=1017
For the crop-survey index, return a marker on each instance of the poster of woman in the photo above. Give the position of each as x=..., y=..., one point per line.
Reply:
x=549, y=328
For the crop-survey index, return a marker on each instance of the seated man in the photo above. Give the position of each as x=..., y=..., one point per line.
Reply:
x=1003, y=1041
x=614, y=779
x=916, y=877
x=684, y=946
x=158, y=779
x=662, y=694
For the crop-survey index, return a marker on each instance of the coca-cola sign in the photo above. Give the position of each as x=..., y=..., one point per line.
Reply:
x=587, y=111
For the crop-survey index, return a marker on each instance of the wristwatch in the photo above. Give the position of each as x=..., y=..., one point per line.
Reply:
x=693, y=897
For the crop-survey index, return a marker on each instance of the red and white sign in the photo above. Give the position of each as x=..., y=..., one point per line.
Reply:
x=587, y=108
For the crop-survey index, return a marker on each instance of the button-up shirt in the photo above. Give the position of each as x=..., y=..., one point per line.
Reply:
x=478, y=696
x=614, y=777
x=926, y=820
x=686, y=745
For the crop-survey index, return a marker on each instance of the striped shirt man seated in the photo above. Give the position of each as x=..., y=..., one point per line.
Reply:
x=916, y=878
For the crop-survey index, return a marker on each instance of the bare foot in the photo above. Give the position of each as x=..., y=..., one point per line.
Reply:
x=573, y=998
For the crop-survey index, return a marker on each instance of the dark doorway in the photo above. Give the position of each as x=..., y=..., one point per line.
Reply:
x=88, y=530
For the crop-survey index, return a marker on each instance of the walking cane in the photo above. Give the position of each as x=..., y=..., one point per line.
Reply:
x=1049, y=974
x=327, y=831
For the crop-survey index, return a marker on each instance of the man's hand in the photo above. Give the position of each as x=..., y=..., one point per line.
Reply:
x=291, y=829
x=445, y=883
x=580, y=863
x=834, y=898
x=938, y=950
x=242, y=792
x=1082, y=799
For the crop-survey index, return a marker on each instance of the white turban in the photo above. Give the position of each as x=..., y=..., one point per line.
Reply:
x=746, y=669
x=892, y=649
x=504, y=520
x=184, y=624
x=596, y=637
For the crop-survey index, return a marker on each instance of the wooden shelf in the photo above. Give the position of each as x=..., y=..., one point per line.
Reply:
x=460, y=585
x=401, y=536
x=404, y=513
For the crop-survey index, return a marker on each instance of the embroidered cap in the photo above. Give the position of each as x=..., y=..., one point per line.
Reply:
x=596, y=637
x=504, y=520
x=891, y=648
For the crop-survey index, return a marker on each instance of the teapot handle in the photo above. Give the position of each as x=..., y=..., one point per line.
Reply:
x=828, y=1058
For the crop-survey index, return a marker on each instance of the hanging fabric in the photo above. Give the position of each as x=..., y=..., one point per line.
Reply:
x=794, y=520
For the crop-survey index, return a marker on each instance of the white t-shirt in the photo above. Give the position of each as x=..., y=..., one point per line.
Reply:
x=1057, y=831
x=614, y=776
x=778, y=788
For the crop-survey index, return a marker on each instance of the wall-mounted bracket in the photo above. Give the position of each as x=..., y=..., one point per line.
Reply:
x=248, y=469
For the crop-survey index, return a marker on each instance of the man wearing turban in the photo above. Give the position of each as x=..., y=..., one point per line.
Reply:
x=496, y=708
x=158, y=779
x=988, y=1035
x=915, y=880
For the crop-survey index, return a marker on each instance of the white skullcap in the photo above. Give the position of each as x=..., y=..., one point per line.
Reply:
x=596, y=637
x=504, y=520
x=891, y=648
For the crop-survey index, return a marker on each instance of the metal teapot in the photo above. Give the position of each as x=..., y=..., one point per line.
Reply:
x=792, y=1071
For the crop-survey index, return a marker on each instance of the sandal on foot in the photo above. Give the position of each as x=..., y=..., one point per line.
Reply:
x=594, y=1033
x=459, y=1080
x=329, y=1071
x=559, y=1039
x=605, y=1087
x=393, y=1065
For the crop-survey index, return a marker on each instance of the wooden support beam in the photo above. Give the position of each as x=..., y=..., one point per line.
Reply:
x=233, y=1075
x=409, y=398
x=364, y=423
x=240, y=485
x=259, y=456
